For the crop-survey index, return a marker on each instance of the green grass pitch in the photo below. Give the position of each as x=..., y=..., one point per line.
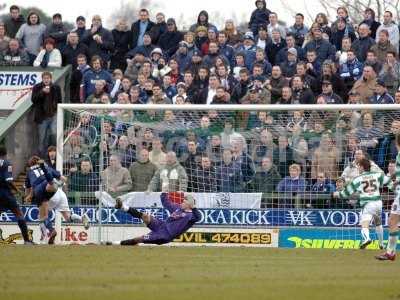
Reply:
x=96, y=272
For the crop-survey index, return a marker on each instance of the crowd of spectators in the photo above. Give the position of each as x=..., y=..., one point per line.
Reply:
x=272, y=62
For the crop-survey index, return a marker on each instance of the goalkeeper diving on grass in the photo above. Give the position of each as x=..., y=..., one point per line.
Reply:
x=182, y=217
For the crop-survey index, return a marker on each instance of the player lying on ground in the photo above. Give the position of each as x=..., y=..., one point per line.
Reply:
x=368, y=185
x=394, y=217
x=44, y=189
x=181, y=218
x=7, y=199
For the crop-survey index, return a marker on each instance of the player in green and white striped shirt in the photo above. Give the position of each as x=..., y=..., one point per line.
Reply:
x=368, y=185
x=394, y=217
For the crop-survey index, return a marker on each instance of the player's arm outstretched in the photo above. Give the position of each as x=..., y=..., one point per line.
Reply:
x=167, y=204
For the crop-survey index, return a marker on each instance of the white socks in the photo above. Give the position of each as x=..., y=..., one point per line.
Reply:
x=365, y=234
x=379, y=234
x=76, y=218
x=392, y=243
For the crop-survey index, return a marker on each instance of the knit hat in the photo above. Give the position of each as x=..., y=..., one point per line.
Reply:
x=292, y=51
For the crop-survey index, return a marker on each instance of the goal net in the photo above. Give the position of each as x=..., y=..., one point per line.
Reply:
x=252, y=168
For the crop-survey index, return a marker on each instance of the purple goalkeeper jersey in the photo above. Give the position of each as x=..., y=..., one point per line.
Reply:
x=180, y=220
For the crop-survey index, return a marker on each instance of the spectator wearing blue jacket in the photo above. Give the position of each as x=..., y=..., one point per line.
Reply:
x=248, y=49
x=293, y=183
x=95, y=74
x=259, y=16
x=352, y=70
x=262, y=61
x=274, y=46
x=299, y=30
x=225, y=49
x=281, y=57
x=381, y=96
x=229, y=175
x=322, y=47
x=323, y=185
x=245, y=162
x=182, y=57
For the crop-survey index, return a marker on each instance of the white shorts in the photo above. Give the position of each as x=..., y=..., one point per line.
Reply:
x=395, y=210
x=59, y=201
x=371, y=209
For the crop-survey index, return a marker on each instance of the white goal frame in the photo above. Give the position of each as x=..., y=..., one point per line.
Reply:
x=193, y=107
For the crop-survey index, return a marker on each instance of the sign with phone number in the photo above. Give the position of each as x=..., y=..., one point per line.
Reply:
x=229, y=237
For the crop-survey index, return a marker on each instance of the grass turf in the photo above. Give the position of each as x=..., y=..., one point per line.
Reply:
x=95, y=272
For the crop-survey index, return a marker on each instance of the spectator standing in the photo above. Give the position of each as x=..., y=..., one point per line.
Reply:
x=322, y=47
x=84, y=179
x=31, y=35
x=390, y=73
x=363, y=43
x=202, y=21
x=293, y=183
x=99, y=40
x=383, y=46
x=80, y=26
x=4, y=39
x=369, y=20
x=73, y=48
x=95, y=74
x=299, y=30
x=365, y=86
x=57, y=31
x=391, y=27
x=267, y=177
x=115, y=177
x=323, y=185
x=45, y=97
x=158, y=28
x=122, y=39
x=229, y=177
x=169, y=41
x=171, y=177
x=260, y=16
x=140, y=27
x=13, y=21
x=142, y=171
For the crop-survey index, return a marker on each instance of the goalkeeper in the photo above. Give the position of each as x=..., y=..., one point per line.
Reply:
x=368, y=185
x=182, y=217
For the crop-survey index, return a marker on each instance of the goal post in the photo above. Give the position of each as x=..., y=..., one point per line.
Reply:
x=252, y=168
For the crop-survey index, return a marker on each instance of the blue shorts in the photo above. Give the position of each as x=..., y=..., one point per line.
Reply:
x=158, y=234
x=7, y=200
x=40, y=194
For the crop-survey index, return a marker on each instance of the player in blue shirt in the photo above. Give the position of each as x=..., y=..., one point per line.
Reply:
x=41, y=185
x=7, y=199
x=181, y=218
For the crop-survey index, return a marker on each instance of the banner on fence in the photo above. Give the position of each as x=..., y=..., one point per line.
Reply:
x=326, y=238
x=221, y=216
x=16, y=87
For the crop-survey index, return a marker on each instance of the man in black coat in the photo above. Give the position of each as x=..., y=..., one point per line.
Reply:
x=301, y=93
x=45, y=97
x=159, y=28
x=99, y=40
x=57, y=31
x=140, y=27
x=73, y=49
x=169, y=41
x=363, y=43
